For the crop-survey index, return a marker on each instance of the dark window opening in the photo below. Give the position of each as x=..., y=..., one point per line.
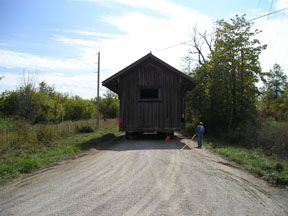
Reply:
x=149, y=94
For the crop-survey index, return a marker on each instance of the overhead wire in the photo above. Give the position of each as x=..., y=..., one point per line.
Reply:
x=184, y=42
x=267, y=14
x=271, y=5
x=178, y=44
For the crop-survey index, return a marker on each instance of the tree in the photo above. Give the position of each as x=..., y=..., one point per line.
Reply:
x=77, y=108
x=277, y=81
x=40, y=103
x=9, y=101
x=109, y=105
x=201, y=46
x=274, y=101
x=44, y=88
x=227, y=94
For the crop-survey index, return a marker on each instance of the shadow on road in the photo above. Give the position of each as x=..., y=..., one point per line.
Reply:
x=110, y=142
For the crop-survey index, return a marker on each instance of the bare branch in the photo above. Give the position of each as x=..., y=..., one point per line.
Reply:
x=198, y=41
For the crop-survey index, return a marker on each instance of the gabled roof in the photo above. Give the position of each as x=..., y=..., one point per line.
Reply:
x=146, y=57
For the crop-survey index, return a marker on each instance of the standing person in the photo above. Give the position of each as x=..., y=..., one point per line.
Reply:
x=199, y=132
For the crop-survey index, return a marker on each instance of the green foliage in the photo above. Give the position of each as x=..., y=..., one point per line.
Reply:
x=45, y=105
x=6, y=123
x=85, y=129
x=273, y=136
x=20, y=134
x=189, y=130
x=274, y=100
x=9, y=101
x=76, y=108
x=269, y=135
x=276, y=83
x=272, y=170
x=47, y=144
x=226, y=95
x=109, y=106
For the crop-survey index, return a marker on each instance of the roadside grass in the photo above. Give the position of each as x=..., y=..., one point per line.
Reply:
x=269, y=168
x=26, y=158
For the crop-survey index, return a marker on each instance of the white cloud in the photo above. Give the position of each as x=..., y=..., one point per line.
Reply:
x=91, y=33
x=11, y=59
x=81, y=85
x=141, y=33
x=144, y=33
x=5, y=44
x=281, y=4
x=275, y=35
x=70, y=41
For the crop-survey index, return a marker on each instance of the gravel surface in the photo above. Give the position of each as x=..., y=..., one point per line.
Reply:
x=145, y=176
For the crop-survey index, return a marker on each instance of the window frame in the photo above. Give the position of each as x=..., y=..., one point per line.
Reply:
x=150, y=99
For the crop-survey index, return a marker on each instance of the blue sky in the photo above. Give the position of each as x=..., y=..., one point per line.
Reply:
x=59, y=39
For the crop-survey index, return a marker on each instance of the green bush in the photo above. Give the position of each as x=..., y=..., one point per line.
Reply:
x=189, y=130
x=85, y=129
x=245, y=135
x=6, y=170
x=43, y=134
x=27, y=166
x=6, y=124
x=269, y=135
x=273, y=136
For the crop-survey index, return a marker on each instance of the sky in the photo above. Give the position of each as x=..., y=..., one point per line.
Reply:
x=57, y=41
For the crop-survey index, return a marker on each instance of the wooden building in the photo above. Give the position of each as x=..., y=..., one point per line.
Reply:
x=152, y=95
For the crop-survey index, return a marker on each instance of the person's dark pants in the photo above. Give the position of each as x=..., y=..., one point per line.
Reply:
x=199, y=140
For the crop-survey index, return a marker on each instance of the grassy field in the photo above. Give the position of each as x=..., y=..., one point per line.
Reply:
x=269, y=168
x=27, y=156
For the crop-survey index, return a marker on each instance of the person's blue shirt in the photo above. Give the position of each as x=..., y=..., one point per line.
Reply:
x=200, y=129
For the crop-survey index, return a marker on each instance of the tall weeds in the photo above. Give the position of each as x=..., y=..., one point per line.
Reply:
x=268, y=135
x=21, y=135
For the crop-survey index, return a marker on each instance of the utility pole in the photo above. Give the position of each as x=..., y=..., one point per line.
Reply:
x=98, y=89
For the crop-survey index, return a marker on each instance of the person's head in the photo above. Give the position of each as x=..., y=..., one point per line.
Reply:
x=200, y=123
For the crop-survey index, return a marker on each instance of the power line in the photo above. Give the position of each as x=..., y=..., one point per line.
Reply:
x=271, y=5
x=184, y=42
x=267, y=14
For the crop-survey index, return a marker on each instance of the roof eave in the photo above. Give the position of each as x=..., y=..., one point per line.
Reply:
x=149, y=55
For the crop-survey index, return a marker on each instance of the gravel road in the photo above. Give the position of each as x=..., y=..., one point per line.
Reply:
x=146, y=176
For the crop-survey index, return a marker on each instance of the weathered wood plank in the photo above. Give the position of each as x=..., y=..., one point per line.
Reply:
x=163, y=113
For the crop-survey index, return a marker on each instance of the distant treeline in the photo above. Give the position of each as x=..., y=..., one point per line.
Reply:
x=43, y=104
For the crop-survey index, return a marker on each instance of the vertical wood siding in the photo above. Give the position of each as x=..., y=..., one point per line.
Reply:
x=139, y=115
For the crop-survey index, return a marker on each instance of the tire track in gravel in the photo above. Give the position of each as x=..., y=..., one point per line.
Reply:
x=251, y=188
x=143, y=177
